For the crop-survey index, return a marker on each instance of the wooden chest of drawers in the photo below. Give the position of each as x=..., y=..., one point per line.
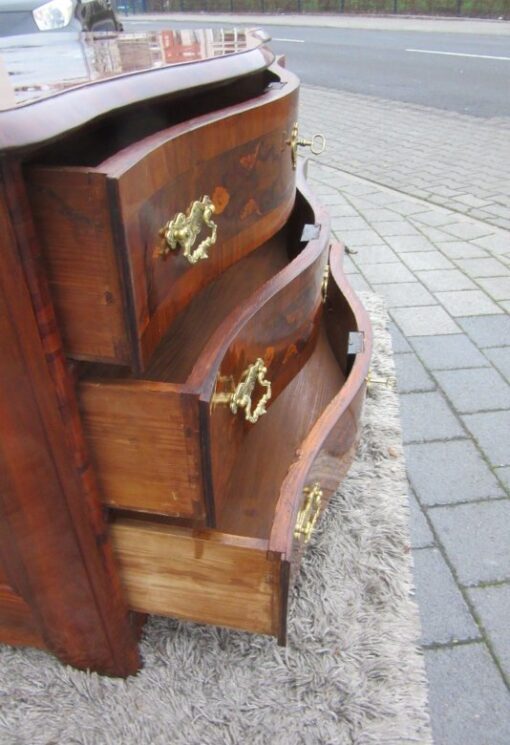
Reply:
x=192, y=358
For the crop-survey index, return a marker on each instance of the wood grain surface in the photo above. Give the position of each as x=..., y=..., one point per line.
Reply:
x=147, y=439
x=71, y=212
x=199, y=576
x=99, y=226
x=144, y=442
x=55, y=549
x=308, y=435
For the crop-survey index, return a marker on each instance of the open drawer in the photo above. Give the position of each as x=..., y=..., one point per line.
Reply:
x=239, y=574
x=166, y=442
x=132, y=227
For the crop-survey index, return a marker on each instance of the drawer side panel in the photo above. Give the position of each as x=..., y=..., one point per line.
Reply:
x=208, y=577
x=71, y=216
x=143, y=440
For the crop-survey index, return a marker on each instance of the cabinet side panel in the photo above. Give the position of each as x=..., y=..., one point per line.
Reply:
x=17, y=625
x=71, y=214
x=55, y=549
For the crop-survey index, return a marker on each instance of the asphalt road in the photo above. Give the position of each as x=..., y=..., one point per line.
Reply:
x=423, y=68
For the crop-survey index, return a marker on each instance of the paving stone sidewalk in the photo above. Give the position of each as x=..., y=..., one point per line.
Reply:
x=446, y=280
x=453, y=160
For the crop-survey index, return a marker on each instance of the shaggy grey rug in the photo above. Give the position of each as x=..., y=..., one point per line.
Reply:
x=351, y=673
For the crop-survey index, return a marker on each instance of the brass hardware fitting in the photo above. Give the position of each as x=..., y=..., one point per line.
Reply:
x=241, y=398
x=309, y=512
x=325, y=282
x=184, y=229
x=317, y=144
x=389, y=382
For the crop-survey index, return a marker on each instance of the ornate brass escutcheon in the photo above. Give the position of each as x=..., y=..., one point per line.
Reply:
x=241, y=398
x=184, y=229
x=309, y=512
x=317, y=144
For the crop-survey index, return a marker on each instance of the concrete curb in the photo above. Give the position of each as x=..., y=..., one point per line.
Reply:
x=372, y=23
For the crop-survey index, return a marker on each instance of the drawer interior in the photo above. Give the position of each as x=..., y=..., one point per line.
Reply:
x=116, y=130
x=268, y=452
x=270, y=447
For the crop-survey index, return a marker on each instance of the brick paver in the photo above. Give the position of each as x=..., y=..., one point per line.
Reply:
x=445, y=616
x=492, y=605
x=468, y=698
x=411, y=375
x=448, y=352
x=475, y=538
x=446, y=280
x=450, y=472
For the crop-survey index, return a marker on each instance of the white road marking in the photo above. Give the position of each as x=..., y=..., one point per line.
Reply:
x=458, y=54
x=293, y=41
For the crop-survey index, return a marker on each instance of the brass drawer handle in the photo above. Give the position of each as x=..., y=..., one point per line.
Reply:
x=184, y=229
x=309, y=512
x=241, y=398
x=317, y=144
x=325, y=282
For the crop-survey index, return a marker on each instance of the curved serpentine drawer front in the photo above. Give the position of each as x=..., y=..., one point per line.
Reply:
x=167, y=442
x=239, y=575
x=130, y=240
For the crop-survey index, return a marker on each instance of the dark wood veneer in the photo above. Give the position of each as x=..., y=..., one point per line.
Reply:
x=99, y=226
x=56, y=549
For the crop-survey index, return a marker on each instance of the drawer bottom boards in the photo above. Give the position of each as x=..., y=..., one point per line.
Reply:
x=239, y=574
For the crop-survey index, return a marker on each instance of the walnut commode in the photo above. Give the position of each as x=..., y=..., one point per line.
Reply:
x=193, y=361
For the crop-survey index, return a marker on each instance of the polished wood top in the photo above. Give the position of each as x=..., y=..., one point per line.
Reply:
x=53, y=83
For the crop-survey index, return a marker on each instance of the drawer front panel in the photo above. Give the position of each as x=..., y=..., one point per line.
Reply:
x=281, y=334
x=329, y=448
x=204, y=577
x=327, y=470
x=243, y=164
